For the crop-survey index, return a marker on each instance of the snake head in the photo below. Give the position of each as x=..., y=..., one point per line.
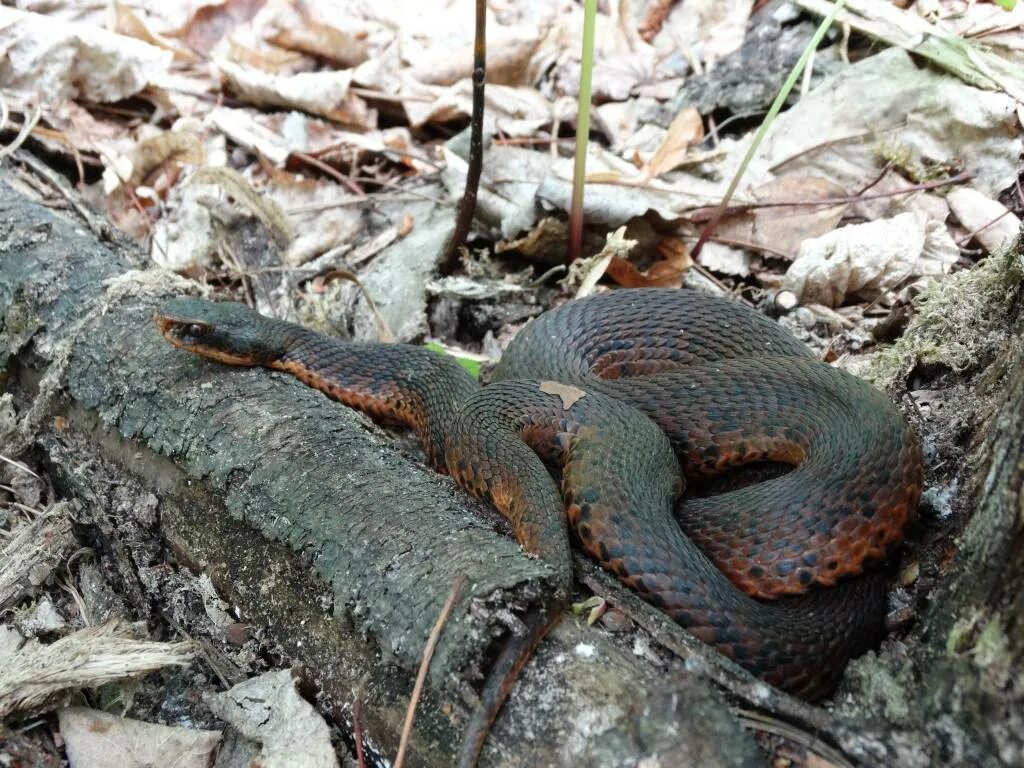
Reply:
x=227, y=332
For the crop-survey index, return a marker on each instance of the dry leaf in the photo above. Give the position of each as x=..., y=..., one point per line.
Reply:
x=269, y=710
x=298, y=27
x=320, y=93
x=686, y=130
x=212, y=21
x=780, y=229
x=869, y=259
x=95, y=739
x=54, y=60
x=568, y=393
x=714, y=27
x=127, y=22
x=665, y=273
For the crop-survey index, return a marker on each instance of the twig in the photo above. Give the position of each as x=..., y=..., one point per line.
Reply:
x=19, y=465
x=749, y=246
x=826, y=202
x=974, y=233
x=357, y=731
x=467, y=206
x=421, y=676
x=331, y=171
x=729, y=675
x=758, y=721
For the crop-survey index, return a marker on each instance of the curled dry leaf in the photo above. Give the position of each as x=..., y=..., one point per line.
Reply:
x=127, y=22
x=54, y=60
x=543, y=244
x=509, y=50
x=686, y=130
x=667, y=272
x=869, y=259
x=319, y=93
x=714, y=27
x=300, y=27
x=214, y=20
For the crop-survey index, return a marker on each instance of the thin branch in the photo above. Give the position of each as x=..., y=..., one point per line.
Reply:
x=357, y=731
x=421, y=676
x=467, y=207
x=706, y=214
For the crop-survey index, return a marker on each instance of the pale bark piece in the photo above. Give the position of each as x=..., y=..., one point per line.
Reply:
x=34, y=551
x=268, y=710
x=95, y=739
x=34, y=674
x=993, y=225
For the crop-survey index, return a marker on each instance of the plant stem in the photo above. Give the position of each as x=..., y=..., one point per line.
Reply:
x=582, y=131
x=467, y=206
x=776, y=107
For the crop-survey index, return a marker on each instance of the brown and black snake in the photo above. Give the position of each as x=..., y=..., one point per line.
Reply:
x=617, y=393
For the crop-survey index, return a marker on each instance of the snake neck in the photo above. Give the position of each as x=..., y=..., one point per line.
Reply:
x=395, y=384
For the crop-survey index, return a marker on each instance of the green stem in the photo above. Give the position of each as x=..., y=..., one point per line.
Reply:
x=776, y=107
x=582, y=131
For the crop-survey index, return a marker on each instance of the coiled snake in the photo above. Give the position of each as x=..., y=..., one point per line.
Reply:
x=648, y=381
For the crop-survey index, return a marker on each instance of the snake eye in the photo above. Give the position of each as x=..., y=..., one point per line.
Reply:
x=196, y=329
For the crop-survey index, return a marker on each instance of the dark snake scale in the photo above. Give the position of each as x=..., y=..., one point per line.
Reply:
x=649, y=381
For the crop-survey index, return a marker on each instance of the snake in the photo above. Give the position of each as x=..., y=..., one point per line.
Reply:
x=598, y=415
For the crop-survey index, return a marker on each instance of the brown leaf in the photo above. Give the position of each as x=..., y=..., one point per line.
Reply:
x=665, y=273
x=211, y=22
x=127, y=22
x=298, y=27
x=686, y=130
x=780, y=229
x=567, y=392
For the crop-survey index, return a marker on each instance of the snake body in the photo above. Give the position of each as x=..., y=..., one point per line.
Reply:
x=618, y=392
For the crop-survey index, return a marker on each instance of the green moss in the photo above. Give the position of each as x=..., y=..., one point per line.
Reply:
x=959, y=319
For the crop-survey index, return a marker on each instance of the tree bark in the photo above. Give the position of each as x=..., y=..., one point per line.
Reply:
x=336, y=549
